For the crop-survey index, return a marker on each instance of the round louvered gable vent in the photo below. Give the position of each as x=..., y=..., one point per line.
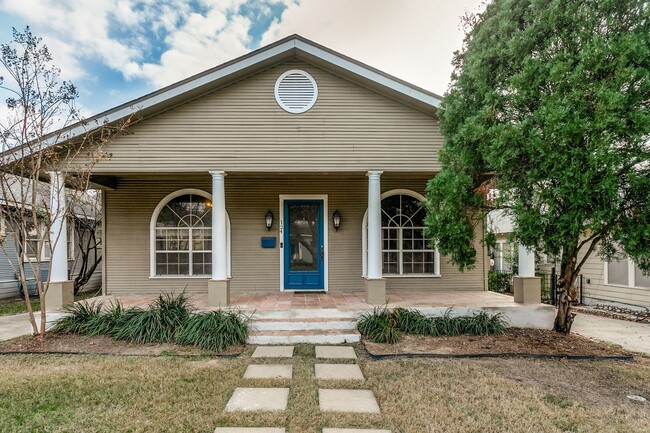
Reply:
x=296, y=91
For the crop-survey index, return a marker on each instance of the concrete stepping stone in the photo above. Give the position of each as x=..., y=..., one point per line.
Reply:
x=273, y=352
x=255, y=399
x=335, y=352
x=269, y=371
x=249, y=430
x=338, y=372
x=353, y=430
x=347, y=400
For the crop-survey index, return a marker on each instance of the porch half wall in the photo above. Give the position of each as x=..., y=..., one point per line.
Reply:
x=129, y=208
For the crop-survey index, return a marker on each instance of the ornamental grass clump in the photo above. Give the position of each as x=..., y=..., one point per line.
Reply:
x=81, y=316
x=157, y=324
x=384, y=326
x=379, y=326
x=169, y=319
x=215, y=330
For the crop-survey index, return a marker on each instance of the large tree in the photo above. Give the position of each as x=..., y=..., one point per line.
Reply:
x=549, y=107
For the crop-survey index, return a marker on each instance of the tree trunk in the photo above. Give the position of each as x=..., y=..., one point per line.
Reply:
x=565, y=314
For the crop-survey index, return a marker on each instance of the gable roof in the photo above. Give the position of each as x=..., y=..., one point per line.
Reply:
x=294, y=46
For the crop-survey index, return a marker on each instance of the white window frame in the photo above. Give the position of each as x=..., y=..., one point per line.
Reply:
x=631, y=275
x=364, y=240
x=152, y=235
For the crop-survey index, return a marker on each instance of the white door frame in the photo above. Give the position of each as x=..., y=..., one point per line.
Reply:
x=325, y=222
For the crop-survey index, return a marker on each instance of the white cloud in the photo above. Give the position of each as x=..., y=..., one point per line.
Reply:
x=413, y=40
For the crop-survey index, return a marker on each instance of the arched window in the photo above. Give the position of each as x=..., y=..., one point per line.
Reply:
x=182, y=235
x=405, y=249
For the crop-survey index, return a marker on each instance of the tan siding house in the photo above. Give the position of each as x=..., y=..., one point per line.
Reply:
x=619, y=282
x=292, y=168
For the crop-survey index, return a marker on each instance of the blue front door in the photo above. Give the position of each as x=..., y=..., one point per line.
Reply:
x=304, y=253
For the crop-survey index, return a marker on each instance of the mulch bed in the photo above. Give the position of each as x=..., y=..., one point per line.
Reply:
x=515, y=341
x=101, y=345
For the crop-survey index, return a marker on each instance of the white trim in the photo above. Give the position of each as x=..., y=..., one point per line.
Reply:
x=326, y=240
x=152, y=231
x=364, y=240
x=367, y=73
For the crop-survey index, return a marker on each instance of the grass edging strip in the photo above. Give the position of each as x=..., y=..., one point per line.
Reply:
x=378, y=356
x=165, y=355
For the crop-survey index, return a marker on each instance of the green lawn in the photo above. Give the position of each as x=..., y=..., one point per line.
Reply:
x=17, y=305
x=168, y=394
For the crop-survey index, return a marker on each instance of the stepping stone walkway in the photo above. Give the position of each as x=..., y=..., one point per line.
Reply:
x=252, y=399
x=338, y=372
x=273, y=352
x=276, y=399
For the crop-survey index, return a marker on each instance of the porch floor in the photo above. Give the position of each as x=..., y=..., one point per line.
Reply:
x=278, y=301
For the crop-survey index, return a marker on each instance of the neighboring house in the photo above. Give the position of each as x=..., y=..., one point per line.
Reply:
x=503, y=253
x=615, y=281
x=21, y=252
x=290, y=134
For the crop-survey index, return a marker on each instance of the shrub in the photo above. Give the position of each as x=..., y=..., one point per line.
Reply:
x=215, y=330
x=384, y=326
x=157, y=324
x=379, y=326
x=500, y=282
x=80, y=317
x=168, y=319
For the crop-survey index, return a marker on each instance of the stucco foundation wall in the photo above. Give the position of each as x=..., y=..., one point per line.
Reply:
x=130, y=206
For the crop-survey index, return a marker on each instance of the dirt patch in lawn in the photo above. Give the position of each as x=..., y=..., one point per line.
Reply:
x=101, y=345
x=515, y=340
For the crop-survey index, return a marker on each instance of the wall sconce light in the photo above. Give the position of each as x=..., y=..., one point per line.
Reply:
x=336, y=220
x=269, y=220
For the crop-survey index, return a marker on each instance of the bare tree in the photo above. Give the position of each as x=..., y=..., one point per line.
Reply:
x=42, y=133
x=86, y=224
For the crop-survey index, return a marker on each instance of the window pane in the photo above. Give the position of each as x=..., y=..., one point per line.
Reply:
x=390, y=264
x=617, y=272
x=390, y=211
x=640, y=279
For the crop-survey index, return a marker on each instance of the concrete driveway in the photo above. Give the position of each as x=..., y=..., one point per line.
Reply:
x=632, y=336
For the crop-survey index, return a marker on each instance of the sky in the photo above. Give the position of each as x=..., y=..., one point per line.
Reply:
x=117, y=50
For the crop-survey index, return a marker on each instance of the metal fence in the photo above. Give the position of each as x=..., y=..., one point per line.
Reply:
x=501, y=282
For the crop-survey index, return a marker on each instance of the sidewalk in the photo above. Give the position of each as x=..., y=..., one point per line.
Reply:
x=18, y=324
x=632, y=336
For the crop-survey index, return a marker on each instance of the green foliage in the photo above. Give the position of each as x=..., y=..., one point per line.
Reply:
x=379, y=326
x=80, y=316
x=157, y=324
x=168, y=319
x=215, y=330
x=384, y=326
x=549, y=104
x=500, y=282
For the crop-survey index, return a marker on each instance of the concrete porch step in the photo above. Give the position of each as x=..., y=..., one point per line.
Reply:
x=320, y=336
x=307, y=313
x=304, y=324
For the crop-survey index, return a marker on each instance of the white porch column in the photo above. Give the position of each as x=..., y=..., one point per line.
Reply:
x=526, y=262
x=60, y=291
x=374, y=225
x=218, y=286
x=527, y=287
x=58, y=228
x=375, y=285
